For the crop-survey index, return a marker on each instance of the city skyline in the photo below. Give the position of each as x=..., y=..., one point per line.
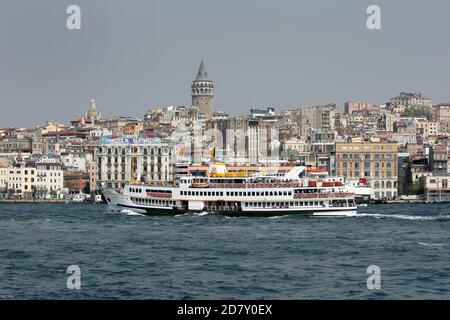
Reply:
x=132, y=57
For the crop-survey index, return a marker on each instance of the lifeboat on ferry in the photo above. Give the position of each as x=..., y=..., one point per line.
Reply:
x=200, y=183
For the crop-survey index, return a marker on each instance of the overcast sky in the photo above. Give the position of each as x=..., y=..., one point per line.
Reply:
x=132, y=55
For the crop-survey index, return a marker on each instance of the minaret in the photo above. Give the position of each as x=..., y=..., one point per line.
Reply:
x=203, y=92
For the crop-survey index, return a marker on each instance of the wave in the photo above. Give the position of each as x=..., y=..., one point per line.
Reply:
x=430, y=244
x=278, y=217
x=401, y=216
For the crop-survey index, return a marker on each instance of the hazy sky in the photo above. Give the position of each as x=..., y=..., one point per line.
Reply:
x=132, y=55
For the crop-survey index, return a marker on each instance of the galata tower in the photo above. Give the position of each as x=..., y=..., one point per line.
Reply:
x=203, y=92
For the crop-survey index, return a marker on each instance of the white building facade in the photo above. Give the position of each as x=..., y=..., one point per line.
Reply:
x=119, y=160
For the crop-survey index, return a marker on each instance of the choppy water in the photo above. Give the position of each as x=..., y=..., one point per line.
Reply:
x=128, y=256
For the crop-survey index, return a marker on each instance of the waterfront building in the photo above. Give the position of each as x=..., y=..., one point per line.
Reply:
x=119, y=160
x=373, y=160
x=436, y=188
x=3, y=175
x=49, y=178
x=29, y=179
x=202, y=92
x=77, y=182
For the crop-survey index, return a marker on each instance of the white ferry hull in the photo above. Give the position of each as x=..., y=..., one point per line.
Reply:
x=121, y=202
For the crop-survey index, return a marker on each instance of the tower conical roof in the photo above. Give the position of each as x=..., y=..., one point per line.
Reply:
x=202, y=74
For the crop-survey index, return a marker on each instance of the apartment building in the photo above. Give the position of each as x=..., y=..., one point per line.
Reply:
x=374, y=160
x=38, y=179
x=436, y=188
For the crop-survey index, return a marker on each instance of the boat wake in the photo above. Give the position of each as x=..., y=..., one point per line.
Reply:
x=401, y=216
x=201, y=214
x=182, y=215
x=131, y=212
x=192, y=214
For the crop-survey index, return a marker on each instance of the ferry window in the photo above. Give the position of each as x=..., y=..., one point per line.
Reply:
x=291, y=204
x=240, y=194
x=289, y=193
x=221, y=193
x=196, y=193
x=209, y=193
x=316, y=203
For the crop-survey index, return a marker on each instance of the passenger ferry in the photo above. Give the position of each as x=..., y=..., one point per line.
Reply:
x=239, y=194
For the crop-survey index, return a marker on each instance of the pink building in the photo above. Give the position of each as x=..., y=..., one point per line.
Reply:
x=360, y=106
